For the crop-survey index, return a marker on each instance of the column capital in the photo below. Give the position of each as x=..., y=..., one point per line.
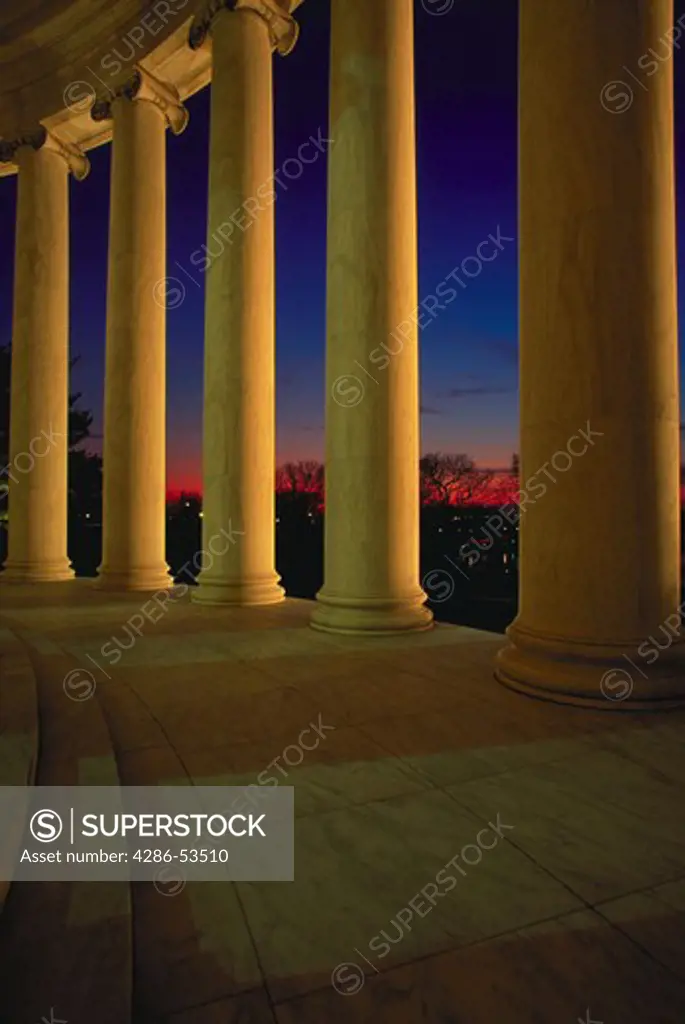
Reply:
x=40, y=138
x=144, y=86
x=283, y=29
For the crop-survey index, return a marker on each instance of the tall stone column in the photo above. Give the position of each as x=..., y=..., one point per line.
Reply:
x=372, y=404
x=598, y=619
x=37, y=472
x=134, y=457
x=239, y=378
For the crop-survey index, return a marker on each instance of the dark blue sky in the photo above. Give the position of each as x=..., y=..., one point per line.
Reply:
x=466, y=80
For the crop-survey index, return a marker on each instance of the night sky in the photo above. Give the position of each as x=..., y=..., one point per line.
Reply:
x=466, y=78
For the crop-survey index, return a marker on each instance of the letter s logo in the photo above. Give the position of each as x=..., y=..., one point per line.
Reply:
x=45, y=826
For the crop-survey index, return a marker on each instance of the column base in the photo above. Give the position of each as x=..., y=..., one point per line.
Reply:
x=245, y=593
x=37, y=572
x=371, y=616
x=608, y=677
x=148, y=579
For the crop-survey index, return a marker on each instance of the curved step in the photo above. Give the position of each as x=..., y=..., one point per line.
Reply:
x=67, y=946
x=187, y=966
x=18, y=732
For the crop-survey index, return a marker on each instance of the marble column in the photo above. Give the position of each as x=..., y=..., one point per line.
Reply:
x=36, y=476
x=134, y=457
x=371, y=582
x=600, y=585
x=238, y=537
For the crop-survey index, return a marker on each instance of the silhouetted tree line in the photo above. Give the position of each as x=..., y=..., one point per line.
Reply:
x=84, y=467
x=445, y=479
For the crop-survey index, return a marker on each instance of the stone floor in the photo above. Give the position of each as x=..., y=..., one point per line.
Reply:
x=549, y=841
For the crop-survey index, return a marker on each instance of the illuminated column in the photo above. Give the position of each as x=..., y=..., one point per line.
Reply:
x=37, y=472
x=239, y=379
x=372, y=426
x=600, y=548
x=134, y=464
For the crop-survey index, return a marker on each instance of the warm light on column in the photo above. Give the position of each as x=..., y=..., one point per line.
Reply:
x=134, y=463
x=371, y=579
x=600, y=547
x=37, y=471
x=239, y=379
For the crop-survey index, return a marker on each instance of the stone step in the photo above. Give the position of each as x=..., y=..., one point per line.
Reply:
x=18, y=732
x=192, y=950
x=67, y=946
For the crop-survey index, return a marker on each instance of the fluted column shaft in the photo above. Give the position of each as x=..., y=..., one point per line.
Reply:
x=37, y=472
x=239, y=376
x=600, y=549
x=372, y=414
x=134, y=456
